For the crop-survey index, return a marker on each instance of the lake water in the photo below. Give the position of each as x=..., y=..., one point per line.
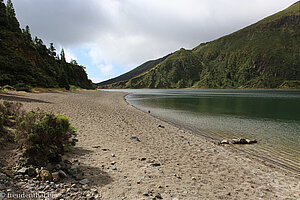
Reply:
x=270, y=116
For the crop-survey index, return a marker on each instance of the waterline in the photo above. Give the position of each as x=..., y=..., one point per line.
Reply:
x=270, y=116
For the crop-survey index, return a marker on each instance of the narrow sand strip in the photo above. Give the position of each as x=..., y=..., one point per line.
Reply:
x=171, y=161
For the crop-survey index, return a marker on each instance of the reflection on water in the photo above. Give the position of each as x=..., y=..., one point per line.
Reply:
x=270, y=116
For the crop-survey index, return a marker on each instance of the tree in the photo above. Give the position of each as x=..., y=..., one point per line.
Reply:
x=62, y=55
x=10, y=11
x=52, y=50
x=3, y=16
x=73, y=62
x=27, y=34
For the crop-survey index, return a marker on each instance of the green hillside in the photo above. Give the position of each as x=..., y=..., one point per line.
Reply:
x=263, y=55
x=135, y=72
x=26, y=63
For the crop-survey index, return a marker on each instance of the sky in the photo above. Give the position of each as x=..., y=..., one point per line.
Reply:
x=111, y=37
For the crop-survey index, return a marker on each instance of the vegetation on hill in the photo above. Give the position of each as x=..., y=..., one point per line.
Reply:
x=27, y=62
x=135, y=72
x=263, y=55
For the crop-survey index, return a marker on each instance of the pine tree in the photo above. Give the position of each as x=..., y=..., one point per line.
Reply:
x=62, y=55
x=27, y=34
x=11, y=17
x=3, y=17
x=10, y=11
x=52, y=50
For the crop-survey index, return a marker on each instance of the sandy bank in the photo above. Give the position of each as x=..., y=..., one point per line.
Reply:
x=170, y=161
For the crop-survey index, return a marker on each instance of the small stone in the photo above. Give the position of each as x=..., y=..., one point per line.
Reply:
x=146, y=194
x=58, y=166
x=114, y=168
x=55, y=175
x=58, y=196
x=101, y=165
x=113, y=155
x=224, y=142
x=96, y=146
x=155, y=164
x=158, y=196
x=74, y=169
x=235, y=141
x=134, y=137
x=149, y=111
x=159, y=186
x=161, y=126
x=75, y=160
x=177, y=176
x=62, y=174
x=31, y=171
x=142, y=159
x=23, y=170
x=19, y=176
x=243, y=141
x=251, y=141
x=94, y=190
x=45, y=175
x=113, y=162
x=193, y=178
x=84, y=181
x=20, y=184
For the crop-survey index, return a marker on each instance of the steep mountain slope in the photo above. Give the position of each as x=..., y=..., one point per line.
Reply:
x=263, y=55
x=26, y=63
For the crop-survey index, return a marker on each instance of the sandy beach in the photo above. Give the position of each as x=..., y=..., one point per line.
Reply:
x=168, y=162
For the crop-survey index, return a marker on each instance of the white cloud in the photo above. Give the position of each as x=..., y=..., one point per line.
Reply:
x=106, y=70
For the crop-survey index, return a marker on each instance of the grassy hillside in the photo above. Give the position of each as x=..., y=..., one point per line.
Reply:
x=26, y=63
x=263, y=55
x=136, y=71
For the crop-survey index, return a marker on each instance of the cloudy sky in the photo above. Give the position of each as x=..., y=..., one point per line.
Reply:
x=111, y=37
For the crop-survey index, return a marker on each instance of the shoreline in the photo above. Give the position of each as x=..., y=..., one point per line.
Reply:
x=171, y=162
x=214, y=140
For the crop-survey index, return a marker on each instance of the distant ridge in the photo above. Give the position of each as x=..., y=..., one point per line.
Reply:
x=136, y=71
x=263, y=55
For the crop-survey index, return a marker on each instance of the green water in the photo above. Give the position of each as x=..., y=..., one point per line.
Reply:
x=270, y=116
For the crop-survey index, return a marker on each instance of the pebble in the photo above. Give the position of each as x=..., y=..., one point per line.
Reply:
x=177, y=176
x=134, y=137
x=113, y=155
x=84, y=181
x=23, y=170
x=113, y=162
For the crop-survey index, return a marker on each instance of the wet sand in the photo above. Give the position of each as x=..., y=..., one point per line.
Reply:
x=168, y=162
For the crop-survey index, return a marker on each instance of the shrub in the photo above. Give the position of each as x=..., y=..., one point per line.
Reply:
x=23, y=87
x=9, y=111
x=44, y=136
x=7, y=88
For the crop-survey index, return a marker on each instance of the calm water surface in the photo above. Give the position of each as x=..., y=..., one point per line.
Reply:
x=270, y=116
